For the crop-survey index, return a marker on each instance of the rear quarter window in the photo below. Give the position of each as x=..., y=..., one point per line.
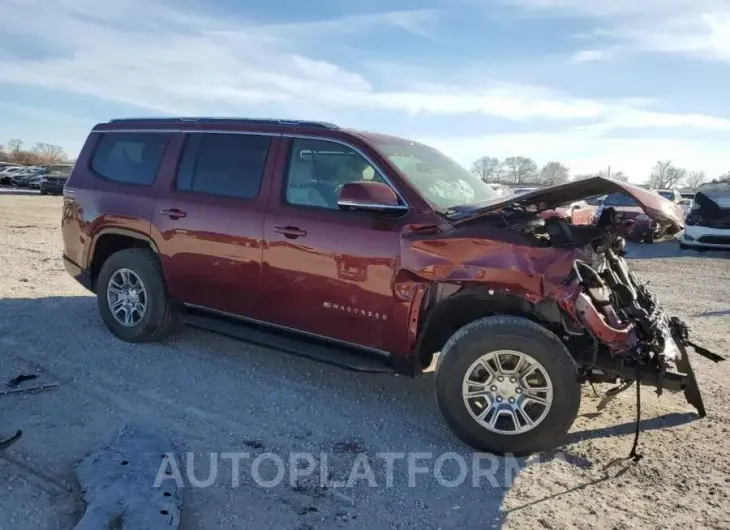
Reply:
x=130, y=158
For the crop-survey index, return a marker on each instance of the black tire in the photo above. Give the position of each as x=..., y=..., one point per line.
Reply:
x=43, y=192
x=517, y=334
x=159, y=317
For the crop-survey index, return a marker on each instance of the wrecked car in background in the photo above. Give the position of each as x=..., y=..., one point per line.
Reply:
x=345, y=242
x=634, y=223
x=708, y=222
x=577, y=212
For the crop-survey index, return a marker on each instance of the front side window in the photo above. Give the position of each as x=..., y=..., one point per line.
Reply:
x=319, y=168
x=130, y=158
x=442, y=181
x=230, y=165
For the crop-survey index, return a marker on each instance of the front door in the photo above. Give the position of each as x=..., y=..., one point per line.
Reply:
x=209, y=220
x=326, y=271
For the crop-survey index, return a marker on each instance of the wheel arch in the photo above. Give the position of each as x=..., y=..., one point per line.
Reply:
x=110, y=240
x=447, y=310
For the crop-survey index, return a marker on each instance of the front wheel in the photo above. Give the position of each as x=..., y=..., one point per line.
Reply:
x=132, y=296
x=507, y=385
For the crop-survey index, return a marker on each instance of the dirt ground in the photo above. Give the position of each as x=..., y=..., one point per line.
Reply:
x=212, y=394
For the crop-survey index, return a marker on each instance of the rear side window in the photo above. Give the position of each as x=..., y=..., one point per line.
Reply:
x=231, y=165
x=130, y=158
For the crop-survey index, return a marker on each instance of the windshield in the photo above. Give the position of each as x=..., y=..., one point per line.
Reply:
x=619, y=199
x=667, y=195
x=442, y=181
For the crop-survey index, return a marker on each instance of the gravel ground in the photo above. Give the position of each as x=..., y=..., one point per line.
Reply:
x=212, y=394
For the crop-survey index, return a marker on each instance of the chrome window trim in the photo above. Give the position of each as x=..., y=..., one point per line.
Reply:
x=353, y=204
x=110, y=131
x=186, y=131
x=382, y=353
x=247, y=133
x=369, y=160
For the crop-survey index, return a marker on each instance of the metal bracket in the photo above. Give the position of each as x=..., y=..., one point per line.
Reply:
x=613, y=392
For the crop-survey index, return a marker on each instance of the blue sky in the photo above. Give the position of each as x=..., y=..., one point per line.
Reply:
x=592, y=84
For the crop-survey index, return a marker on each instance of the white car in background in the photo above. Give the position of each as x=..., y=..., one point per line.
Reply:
x=708, y=223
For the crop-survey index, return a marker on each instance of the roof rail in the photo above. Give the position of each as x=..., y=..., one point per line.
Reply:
x=251, y=121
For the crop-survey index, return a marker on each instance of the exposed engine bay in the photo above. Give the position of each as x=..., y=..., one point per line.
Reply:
x=708, y=213
x=633, y=341
x=633, y=338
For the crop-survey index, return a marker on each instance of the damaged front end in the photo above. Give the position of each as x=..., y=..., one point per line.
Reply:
x=634, y=339
x=610, y=321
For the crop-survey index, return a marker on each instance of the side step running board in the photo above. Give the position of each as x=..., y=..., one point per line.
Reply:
x=342, y=356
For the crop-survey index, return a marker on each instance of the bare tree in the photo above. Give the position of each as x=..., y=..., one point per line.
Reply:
x=724, y=177
x=616, y=175
x=581, y=176
x=49, y=153
x=554, y=173
x=666, y=175
x=487, y=168
x=520, y=169
x=695, y=179
x=14, y=146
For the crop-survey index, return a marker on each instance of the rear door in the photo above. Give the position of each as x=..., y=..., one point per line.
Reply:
x=208, y=220
x=329, y=272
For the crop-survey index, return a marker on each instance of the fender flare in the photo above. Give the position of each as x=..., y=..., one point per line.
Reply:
x=120, y=232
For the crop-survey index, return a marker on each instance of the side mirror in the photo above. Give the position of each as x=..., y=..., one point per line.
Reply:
x=369, y=196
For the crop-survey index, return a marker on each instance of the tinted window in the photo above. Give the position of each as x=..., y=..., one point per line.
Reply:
x=223, y=164
x=318, y=169
x=132, y=158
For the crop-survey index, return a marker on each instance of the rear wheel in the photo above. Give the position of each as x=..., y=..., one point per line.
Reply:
x=507, y=385
x=132, y=297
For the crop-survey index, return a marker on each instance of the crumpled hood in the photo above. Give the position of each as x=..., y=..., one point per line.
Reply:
x=653, y=204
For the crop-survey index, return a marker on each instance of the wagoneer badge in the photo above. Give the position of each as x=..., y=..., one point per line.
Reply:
x=354, y=310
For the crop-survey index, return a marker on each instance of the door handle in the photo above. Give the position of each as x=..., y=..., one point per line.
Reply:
x=173, y=213
x=292, y=232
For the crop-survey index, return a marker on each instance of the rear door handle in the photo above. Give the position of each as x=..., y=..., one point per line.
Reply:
x=292, y=232
x=173, y=213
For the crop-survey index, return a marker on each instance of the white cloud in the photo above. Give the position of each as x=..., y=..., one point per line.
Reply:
x=179, y=62
x=585, y=56
x=189, y=72
x=210, y=68
x=699, y=28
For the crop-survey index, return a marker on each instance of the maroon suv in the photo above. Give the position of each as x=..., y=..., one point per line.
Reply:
x=336, y=243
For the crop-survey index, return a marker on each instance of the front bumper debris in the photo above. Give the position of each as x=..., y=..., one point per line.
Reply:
x=680, y=333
